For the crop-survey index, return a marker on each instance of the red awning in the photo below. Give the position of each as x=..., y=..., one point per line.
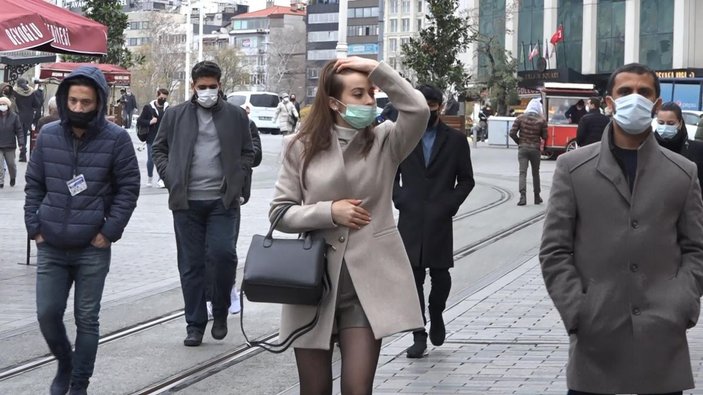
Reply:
x=115, y=75
x=36, y=24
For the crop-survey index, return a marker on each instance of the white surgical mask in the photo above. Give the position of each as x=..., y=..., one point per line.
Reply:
x=633, y=113
x=667, y=131
x=207, y=97
x=3, y=107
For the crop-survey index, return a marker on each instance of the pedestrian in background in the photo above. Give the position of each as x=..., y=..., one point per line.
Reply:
x=10, y=134
x=337, y=174
x=671, y=133
x=528, y=131
x=51, y=117
x=576, y=112
x=286, y=115
x=202, y=152
x=150, y=118
x=27, y=105
x=430, y=186
x=622, y=251
x=297, y=110
x=591, y=125
x=129, y=106
x=82, y=187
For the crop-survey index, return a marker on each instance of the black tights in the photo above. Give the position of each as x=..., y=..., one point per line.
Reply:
x=360, y=351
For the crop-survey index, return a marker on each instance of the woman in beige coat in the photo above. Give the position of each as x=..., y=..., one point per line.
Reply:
x=338, y=174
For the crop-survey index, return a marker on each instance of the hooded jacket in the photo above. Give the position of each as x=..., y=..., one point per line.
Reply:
x=10, y=130
x=150, y=111
x=104, y=155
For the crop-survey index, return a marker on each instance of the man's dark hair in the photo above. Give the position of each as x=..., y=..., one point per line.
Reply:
x=206, y=68
x=431, y=93
x=671, y=106
x=162, y=91
x=594, y=101
x=636, y=68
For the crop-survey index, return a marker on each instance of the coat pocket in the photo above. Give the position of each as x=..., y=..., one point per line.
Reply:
x=385, y=231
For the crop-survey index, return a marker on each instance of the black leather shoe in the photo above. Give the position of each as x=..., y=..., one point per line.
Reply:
x=538, y=199
x=437, y=330
x=194, y=339
x=418, y=349
x=219, y=328
x=523, y=200
x=62, y=380
x=12, y=182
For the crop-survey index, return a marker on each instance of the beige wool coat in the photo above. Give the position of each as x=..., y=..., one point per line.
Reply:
x=374, y=255
x=625, y=270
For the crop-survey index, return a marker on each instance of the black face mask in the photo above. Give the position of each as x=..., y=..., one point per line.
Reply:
x=81, y=120
x=433, y=118
x=161, y=101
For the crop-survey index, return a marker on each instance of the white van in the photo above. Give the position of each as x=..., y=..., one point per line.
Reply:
x=263, y=108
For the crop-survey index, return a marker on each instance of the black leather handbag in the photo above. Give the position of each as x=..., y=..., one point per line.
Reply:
x=285, y=271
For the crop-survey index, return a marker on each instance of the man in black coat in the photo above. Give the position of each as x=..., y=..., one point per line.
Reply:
x=26, y=102
x=150, y=118
x=430, y=186
x=591, y=125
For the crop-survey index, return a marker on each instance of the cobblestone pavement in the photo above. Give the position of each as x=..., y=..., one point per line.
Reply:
x=505, y=339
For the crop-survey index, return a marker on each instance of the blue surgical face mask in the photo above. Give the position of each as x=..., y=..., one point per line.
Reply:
x=667, y=132
x=633, y=113
x=358, y=116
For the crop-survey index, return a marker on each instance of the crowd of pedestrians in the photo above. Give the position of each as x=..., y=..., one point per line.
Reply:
x=621, y=252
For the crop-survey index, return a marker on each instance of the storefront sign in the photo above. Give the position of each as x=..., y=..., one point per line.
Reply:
x=680, y=73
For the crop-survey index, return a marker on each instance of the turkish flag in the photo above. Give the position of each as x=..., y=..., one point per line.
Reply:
x=558, y=35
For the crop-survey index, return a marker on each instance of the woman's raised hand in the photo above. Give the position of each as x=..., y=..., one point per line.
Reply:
x=347, y=212
x=356, y=63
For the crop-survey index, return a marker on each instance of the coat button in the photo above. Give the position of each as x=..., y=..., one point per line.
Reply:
x=635, y=224
x=341, y=239
x=634, y=267
x=636, y=311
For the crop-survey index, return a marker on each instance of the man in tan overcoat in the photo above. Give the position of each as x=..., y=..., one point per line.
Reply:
x=622, y=251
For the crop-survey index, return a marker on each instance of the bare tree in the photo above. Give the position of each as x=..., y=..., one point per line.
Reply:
x=230, y=61
x=286, y=59
x=164, y=58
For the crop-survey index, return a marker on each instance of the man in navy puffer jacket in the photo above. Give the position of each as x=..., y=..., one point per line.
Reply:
x=82, y=187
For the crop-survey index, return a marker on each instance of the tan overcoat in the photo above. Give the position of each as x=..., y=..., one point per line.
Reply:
x=625, y=269
x=374, y=255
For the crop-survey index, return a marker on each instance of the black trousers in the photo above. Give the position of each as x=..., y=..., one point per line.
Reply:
x=439, y=292
x=572, y=392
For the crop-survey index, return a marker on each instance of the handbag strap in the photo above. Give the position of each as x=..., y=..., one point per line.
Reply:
x=282, y=346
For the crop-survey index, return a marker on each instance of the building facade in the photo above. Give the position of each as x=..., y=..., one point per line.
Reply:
x=364, y=35
x=598, y=37
x=272, y=44
x=403, y=19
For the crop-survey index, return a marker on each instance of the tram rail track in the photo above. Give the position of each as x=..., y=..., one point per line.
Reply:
x=244, y=352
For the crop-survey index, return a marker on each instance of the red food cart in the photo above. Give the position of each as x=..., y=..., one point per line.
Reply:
x=557, y=98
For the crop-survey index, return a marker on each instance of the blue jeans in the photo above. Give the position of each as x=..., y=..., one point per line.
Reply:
x=57, y=271
x=149, y=162
x=206, y=234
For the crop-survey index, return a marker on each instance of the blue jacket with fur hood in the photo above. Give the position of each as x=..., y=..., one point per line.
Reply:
x=104, y=155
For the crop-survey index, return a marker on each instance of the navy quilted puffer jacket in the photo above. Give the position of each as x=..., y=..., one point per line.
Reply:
x=104, y=155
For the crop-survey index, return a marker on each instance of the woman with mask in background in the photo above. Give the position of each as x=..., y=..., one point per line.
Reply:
x=671, y=134
x=337, y=176
x=286, y=114
x=10, y=133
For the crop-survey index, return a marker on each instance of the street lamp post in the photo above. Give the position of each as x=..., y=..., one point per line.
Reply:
x=200, y=32
x=189, y=47
x=342, y=34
